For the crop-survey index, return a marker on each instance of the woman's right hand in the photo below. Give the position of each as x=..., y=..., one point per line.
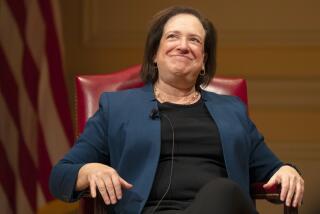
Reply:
x=105, y=179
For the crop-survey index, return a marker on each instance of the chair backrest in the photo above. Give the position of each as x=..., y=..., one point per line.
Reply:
x=89, y=88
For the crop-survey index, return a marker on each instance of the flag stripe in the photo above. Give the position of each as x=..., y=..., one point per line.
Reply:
x=29, y=69
x=9, y=85
x=49, y=125
x=44, y=165
x=55, y=69
x=9, y=90
x=41, y=201
x=35, y=43
x=9, y=136
x=4, y=202
x=28, y=174
x=36, y=127
x=19, y=13
x=8, y=159
x=13, y=49
x=58, y=24
x=31, y=77
x=31, y=81
x=7, y=178
x=23, y=206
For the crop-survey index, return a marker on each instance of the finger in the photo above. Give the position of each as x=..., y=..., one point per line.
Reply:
x=291, y=190
x=297, y=195
x=110, y=189
x=301, y=192
x=102, y=189
x=273, y=181
x=284, y=188
x=92, y=187
x=125, y=184
x=117, y=186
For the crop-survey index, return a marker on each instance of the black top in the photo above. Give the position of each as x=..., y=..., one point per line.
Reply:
x=198, y=156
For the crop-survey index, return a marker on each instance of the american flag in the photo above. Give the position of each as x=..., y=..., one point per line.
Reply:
x=35, y=121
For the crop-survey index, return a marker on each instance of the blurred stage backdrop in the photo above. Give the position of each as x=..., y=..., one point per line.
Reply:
x=274, y=44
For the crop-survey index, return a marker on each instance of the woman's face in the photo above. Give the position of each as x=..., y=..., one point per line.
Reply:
x=180, y=56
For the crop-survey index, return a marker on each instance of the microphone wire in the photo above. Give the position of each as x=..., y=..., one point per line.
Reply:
x=171, y=168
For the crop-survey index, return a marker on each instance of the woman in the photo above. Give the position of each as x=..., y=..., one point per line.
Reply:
x=171, y=147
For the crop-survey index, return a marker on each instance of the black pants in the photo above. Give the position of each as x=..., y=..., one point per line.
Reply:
x=220, y=196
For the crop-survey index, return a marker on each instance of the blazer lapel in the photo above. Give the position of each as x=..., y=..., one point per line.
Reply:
x=143, y=149
x=232, y=135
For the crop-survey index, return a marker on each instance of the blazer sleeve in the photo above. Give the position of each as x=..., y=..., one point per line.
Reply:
x=90, y=147
x=263, y=163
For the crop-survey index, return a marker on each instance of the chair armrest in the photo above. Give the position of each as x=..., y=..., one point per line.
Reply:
x=272, y=195
x=92, y=205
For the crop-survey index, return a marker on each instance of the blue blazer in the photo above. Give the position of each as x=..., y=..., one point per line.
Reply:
x=122, y=135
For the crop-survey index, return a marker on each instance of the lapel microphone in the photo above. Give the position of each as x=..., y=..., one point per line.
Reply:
x=154, y=113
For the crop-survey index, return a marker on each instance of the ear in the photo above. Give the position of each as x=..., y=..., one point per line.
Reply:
x=204, y=61
x=155, y=58
x=205, y=57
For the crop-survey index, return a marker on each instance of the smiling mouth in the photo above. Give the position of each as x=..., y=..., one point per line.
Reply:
x=182, y=56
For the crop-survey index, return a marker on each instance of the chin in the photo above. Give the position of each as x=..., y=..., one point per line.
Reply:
x=180, y=68
x=184, y=70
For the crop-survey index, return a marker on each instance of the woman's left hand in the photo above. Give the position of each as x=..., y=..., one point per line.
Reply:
x=292, y=185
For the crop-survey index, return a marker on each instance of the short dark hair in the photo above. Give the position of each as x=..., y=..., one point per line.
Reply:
x=149, y=73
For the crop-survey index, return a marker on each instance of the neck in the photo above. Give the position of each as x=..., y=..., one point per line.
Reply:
x=174, y=91
x=168, y=93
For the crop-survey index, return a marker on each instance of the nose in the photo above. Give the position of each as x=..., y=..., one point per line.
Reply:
x=183, y=45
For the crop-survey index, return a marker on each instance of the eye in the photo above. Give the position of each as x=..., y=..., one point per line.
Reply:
x=195, y=39
x=172, y=36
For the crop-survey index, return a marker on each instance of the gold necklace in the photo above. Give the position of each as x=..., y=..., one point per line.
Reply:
x=187, y=100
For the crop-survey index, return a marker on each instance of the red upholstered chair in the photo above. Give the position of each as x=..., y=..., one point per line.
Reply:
x=89, y=88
